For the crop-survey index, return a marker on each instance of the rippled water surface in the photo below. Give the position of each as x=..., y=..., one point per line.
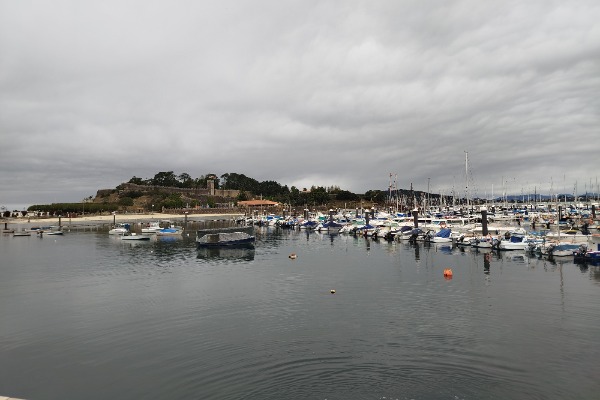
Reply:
x=87, y=316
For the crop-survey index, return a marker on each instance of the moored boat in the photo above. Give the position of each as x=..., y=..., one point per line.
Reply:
x=563, y=249
x=442, y=236
x=173, y=231
x=151, y=227
x=120, y=229
x=225, y=239
x=134, y=236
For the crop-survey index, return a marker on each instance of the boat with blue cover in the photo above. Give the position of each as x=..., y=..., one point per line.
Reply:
x=442, y=236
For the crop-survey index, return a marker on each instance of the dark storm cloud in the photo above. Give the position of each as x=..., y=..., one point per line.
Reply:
x=304, y=93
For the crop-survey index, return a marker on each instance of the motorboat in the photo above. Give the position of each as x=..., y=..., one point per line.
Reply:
x=120, y=229
x=570, y=235
x=482, y=242
x=330, y=226
x=442, y=236
x=518, y=241
x=563, y=249
x=134, y=236
x=151, y=227
x=584, y=255
x=173, y=231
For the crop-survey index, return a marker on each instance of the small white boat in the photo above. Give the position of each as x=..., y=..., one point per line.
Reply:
x=152, y=227
x=482, y=242
x=120, y=229
x=518, y=240
x=21, y=233
x=571, y=235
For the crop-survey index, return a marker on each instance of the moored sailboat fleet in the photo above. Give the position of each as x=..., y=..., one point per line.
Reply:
x=544, y=232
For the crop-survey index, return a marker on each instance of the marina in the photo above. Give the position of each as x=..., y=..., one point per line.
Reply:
x=301, y=314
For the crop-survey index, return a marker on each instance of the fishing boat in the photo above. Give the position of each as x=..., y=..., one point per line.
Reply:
x=221, y=239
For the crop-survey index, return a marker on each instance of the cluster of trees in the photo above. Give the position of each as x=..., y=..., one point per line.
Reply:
x=170, y=179
x=75, y=208
x=269, y=189
x=14, y=214
x=250, y=187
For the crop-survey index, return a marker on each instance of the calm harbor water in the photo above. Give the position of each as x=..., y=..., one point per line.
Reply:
x=87, y=316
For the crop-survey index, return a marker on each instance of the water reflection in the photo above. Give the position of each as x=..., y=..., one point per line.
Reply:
x=486, y=263
x=227, y=253
x=78, y=312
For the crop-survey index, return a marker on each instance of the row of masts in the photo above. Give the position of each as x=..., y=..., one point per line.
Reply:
x=413, y=200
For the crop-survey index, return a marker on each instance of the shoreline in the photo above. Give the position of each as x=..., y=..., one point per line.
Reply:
x=117, y=218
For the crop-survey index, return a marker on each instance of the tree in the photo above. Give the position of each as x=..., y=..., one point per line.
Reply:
x=234, y=181
x=125, y=201
x=136, y=180
x=174, y=200
x=375, y=196
x=185, y=180
x=271, y=189
x=242, y=196
x=319, y=195
x=167, y=179
x=346, y=195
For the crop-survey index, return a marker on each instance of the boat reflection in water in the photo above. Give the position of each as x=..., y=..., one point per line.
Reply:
x=232, y=253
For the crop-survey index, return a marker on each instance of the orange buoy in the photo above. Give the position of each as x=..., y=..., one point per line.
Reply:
x=448, y=273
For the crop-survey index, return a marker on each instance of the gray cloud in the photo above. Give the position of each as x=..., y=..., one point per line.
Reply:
x=304, y=93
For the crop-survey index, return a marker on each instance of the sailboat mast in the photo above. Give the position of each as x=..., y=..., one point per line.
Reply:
x=467, y=178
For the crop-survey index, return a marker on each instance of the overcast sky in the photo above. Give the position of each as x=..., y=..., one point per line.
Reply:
x=301, y=92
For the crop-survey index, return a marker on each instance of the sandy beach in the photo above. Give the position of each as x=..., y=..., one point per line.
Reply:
x=117, y=218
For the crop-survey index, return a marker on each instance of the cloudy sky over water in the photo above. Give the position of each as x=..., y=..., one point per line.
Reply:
x=301, y=92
